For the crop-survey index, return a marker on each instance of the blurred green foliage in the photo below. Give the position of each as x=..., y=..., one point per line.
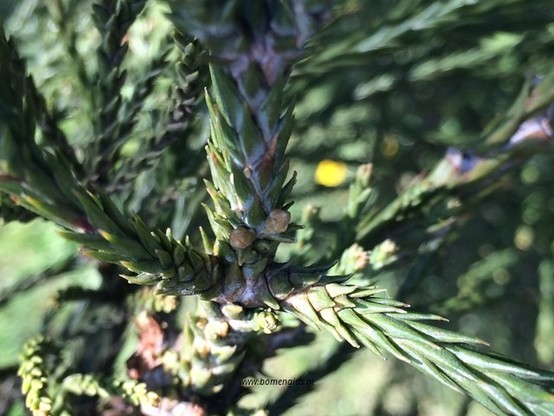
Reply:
x=391, y=83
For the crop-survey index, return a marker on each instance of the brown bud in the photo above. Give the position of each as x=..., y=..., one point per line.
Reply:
x=277, y=222
x=242, y=237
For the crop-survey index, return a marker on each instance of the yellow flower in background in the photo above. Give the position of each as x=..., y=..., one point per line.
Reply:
x=330, y=173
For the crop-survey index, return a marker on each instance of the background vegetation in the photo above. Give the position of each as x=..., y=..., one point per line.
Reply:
x=392, y=83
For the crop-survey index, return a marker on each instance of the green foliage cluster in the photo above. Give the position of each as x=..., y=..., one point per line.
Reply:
x=430, y=122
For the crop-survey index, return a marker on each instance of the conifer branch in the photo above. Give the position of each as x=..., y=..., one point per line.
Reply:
x=419, y=22
x=469, y=174
x=43, y=182
x=34, y=372
x=210, y=348
x=41, y=377
x=61, y=15
x=191, y=72
x=383, y=325
x=251, y=123
x=112, y=19
x=209, y=356
x=253, y=47
x=348, y=312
